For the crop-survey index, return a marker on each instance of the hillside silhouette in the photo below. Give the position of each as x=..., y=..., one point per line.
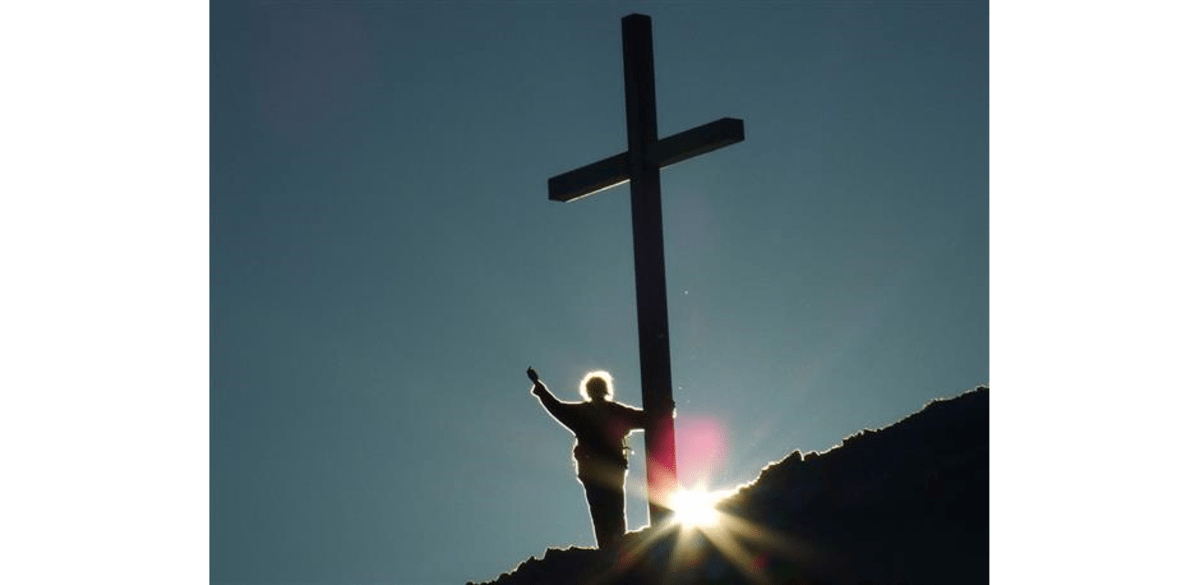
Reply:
x=907, y=504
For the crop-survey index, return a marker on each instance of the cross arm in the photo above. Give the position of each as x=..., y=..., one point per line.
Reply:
x=697, y=141
x=675, y=148
x=590, y=179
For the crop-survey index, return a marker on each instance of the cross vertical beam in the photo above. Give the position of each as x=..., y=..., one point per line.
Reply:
x=640, y=166
x=641, y=123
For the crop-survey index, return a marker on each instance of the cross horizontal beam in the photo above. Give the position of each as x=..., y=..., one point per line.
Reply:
x=614, y=170
x=590, y=179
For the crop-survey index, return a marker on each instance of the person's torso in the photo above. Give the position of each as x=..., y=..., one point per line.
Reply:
x=600, y=429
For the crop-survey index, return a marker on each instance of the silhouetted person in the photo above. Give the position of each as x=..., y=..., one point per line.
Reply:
x=600, y=426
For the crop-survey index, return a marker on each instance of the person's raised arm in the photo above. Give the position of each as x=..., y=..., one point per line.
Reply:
x=553, y=405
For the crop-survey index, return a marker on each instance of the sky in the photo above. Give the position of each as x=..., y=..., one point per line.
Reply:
x=385, y=262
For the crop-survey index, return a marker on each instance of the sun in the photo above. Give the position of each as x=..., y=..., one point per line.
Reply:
x=694, y=508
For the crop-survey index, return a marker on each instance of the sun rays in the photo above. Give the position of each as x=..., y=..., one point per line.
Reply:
x=694, y=508
x=701, y=531
x=703, y=537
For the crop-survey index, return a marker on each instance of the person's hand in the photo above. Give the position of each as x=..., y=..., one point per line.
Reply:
x=537, y=382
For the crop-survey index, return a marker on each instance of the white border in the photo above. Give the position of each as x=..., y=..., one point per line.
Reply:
x=104, y=319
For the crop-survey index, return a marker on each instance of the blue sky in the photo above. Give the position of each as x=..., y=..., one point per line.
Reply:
x=385, y=262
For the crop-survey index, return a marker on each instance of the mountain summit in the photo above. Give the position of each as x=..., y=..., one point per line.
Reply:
x=906, y=504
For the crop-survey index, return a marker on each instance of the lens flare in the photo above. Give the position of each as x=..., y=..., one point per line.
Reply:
x=694, y=508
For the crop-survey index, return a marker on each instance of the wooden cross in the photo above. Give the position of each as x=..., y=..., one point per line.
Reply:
x=639, y=165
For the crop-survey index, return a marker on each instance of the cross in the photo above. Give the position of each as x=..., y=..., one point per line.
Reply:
x=639, y=166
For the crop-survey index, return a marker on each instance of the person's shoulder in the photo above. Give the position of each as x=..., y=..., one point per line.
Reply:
x=624, y=407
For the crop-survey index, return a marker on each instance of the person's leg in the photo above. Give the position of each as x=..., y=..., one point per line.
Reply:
x=595, y=500
x=614, y=513
x=606, y=500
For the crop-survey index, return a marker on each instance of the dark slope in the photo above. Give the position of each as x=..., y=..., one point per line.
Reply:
x=904, y=504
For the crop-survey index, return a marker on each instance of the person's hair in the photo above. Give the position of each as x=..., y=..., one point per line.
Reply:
x=600, y=381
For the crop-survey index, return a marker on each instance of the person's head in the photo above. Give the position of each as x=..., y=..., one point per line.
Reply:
x=596, y=386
